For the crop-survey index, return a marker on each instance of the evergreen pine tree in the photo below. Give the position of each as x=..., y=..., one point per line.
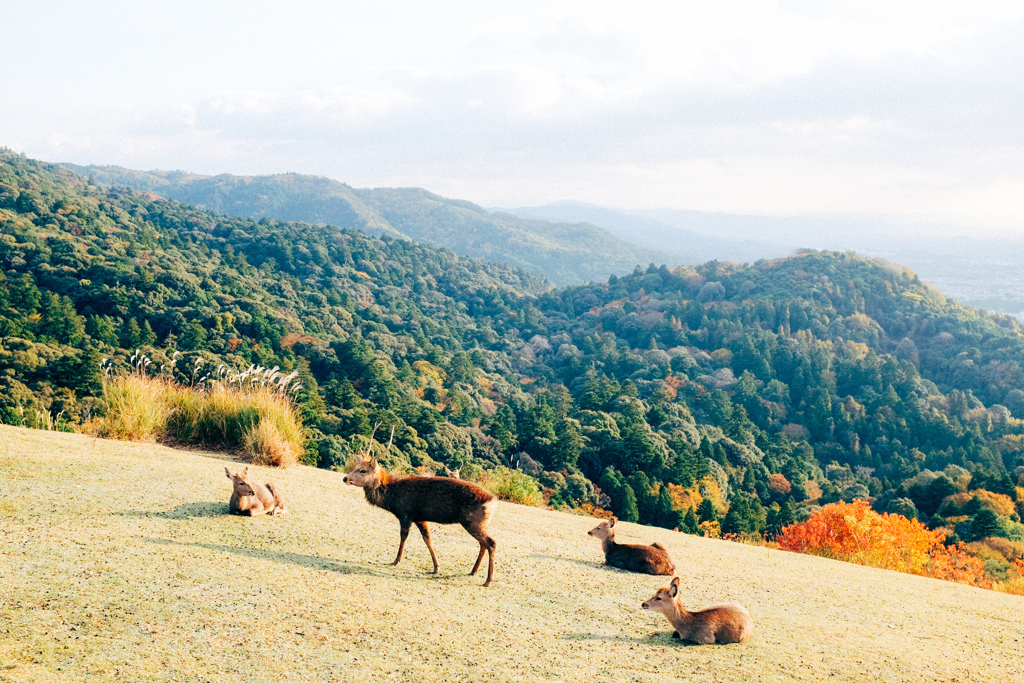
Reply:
x=738, y=520
x=147, y=337
x=668, y=516
x=628, y=511
x=707, y=512
x=130, y=334
x=690, y=522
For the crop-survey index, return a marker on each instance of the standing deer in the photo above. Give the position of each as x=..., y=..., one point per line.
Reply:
x=723, y=623
x=644, y=559
x=251, y=497
x=418, y=500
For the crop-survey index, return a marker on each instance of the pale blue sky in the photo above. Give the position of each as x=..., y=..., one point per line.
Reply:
x=912, y=109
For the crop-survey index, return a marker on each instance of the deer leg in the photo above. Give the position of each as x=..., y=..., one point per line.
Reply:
x=279, y=507
x=479, y=559
x=703, y=636
x=474, y=530
x=476, y=525
x=256, y=507
x=487, y=544
x=491, y=545
x=401, y=545
x=425, y=533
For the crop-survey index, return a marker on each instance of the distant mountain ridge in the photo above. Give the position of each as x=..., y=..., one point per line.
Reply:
x=686, y=245
x=564, y=252
x=976, y=269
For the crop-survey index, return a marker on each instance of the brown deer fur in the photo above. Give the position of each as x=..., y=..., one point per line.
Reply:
x=722, y=623
x=251, y=497
x=418, y=500
x=644, y=559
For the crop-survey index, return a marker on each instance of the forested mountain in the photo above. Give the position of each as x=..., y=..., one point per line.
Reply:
x=565, y=253
x=739, y=395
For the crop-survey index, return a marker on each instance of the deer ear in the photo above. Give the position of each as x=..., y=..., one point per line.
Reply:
x=673, y=588
x=228, y=473
x=611, y=522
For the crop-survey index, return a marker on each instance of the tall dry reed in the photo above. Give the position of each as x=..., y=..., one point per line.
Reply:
x=257, y=419
x=136, y=407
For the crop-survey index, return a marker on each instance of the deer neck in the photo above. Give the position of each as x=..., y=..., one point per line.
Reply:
x=678, y=616
x=608, y=542
x=376, y=491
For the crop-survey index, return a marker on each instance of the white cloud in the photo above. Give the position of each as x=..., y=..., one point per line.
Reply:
x=231, y=102
x=341, y=104
x=750, y=105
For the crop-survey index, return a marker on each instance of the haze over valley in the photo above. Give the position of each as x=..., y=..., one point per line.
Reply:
x=975, y=269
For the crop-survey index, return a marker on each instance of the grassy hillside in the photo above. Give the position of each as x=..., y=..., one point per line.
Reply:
x=564, y=253
x=119, y=562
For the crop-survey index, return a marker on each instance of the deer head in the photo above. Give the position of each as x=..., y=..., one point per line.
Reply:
x=240, y=482
x=367, y=472
x=664, y=599
x=604, y=529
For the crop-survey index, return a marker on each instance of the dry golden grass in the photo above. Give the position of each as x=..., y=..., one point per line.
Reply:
x=119, y=562
x=266, y=445
x=1014, y=586
x=137, y=408
x=255, y=420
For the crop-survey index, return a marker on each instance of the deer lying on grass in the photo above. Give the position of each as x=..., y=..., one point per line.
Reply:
x=722, y=623
x=418, y=500
x=644, y=559
x=251, y=497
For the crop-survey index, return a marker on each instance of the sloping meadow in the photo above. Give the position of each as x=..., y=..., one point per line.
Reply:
x=119, y=562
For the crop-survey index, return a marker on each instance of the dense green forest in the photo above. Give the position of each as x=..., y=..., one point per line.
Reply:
x=564, y=253
x=736, y=394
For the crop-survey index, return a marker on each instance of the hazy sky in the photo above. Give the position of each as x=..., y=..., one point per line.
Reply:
x=878, y=106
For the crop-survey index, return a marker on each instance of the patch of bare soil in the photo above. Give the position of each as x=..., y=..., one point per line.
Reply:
x=118, y=561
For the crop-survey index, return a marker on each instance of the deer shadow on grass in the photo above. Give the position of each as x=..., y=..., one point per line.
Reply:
x=307, y=561
x=562, y=558
x=183, y=511
x=659, y=638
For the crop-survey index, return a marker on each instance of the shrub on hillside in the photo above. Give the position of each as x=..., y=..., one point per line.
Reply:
x=136, y=407
x=1010, y=550
x=512, y=485
x=1014, y=583
x=249, y=412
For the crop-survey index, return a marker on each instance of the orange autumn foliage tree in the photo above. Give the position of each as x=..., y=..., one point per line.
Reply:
x=779, y=484
x=853, y=532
